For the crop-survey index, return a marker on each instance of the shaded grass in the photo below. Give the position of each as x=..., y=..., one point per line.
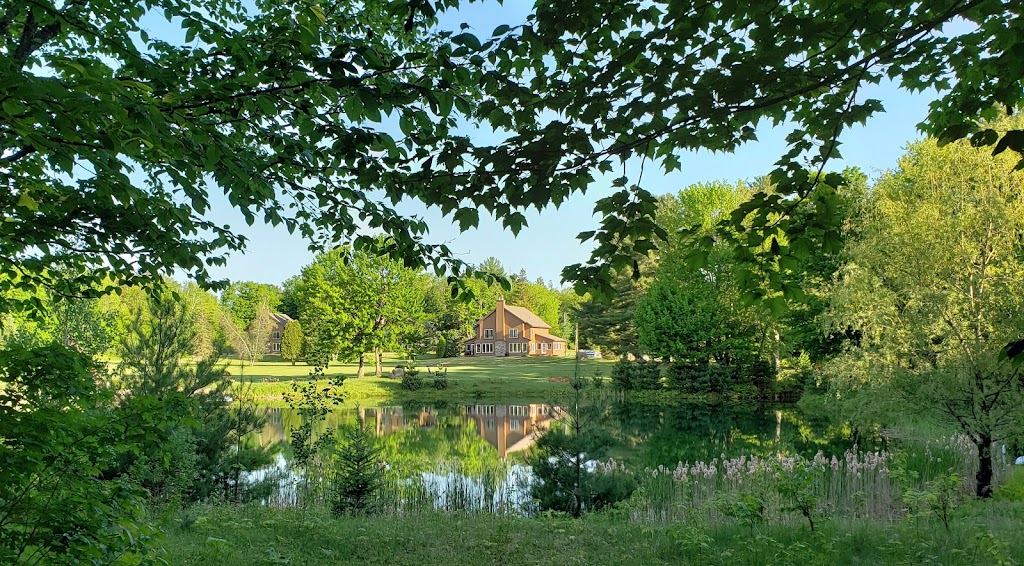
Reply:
x=470, y=379
x=982, y=533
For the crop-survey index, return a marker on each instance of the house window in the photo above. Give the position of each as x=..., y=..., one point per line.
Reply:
x=488, y=333
x=516, y=348
x=276, y=335
x=486, y=348
x=513, y=333
x=533, y=347
x=275, y=347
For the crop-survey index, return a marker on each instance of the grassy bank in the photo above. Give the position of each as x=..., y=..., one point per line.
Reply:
x=470, y=379
x=981, y=533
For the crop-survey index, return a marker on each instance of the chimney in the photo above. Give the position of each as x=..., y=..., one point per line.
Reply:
x=499, y=319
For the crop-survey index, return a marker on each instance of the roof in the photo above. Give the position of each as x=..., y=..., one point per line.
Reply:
x=280, y=318
x=526, y=316
x=546, y=336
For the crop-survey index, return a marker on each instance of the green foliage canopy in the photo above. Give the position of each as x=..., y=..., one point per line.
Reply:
x=243, y=300
x=648, y=80
x=933, y=287
x=112, y=139
x=291, y=341
x=353, y=304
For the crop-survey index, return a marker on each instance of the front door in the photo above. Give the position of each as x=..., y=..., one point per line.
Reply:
x=544, y=349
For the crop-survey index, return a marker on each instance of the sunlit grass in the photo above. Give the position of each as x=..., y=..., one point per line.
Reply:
x=471, y=379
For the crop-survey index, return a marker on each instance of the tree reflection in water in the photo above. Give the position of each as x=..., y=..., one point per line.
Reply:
x=472, y=455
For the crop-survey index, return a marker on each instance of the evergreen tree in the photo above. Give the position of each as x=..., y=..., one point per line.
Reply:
x=291, y=341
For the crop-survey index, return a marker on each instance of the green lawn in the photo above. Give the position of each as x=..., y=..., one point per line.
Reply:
x=470, y=379
x=980, y=533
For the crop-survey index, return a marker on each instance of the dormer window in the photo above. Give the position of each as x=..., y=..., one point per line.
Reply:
x=488, y=333
x=513, y=333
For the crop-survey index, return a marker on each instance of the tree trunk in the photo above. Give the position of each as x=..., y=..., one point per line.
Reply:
x=378, y=362
x=362, y=366
x=984, y=475
x=776, y=356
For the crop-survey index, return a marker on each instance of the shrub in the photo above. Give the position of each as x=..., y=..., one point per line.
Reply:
x=796, y=486
x=638, y=375
x=761, y=373
x=569, y=481
x=939, y=496
x=702, y=377
x=441, y=377
x=357, y=474
x=411, y=379
x=192, y=399
x=565, y=463
x=747, y=508
x=59, y=503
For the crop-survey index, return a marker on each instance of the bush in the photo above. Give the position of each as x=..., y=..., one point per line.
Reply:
x=411, y=379
x=59, y=503
x=638, y=375
x=569, y=482
x=195, y=415
x=761, y=373
x=701, y=377
x=357, y=474
x=441, y=378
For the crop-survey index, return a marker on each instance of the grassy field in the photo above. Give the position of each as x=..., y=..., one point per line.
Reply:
x=980, y=533
x=469, y=379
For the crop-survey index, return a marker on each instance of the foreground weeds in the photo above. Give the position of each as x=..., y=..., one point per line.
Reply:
x=980, y=533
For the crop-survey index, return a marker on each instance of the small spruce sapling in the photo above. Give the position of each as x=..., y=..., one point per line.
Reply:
x=357, y=476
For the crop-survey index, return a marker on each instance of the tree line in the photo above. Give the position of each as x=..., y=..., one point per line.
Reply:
x=345, y=305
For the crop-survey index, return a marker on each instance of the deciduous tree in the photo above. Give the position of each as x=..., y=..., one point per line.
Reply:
x=933, y=286
x=611, y=81
x=244, y=299
x=352, y=305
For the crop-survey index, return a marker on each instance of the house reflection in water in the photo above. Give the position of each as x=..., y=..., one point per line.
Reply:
x=509, y=428
x=512, y=428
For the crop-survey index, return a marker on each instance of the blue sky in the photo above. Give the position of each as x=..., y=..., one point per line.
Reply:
x=548, y=243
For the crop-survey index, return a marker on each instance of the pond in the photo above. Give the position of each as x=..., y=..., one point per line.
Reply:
x=474, y=455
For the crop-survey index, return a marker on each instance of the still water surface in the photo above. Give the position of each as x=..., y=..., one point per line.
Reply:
x=643, y=435
x=481, y=449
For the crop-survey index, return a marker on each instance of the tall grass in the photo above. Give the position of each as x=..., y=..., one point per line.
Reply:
x=856, y=485
x=501, y=489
